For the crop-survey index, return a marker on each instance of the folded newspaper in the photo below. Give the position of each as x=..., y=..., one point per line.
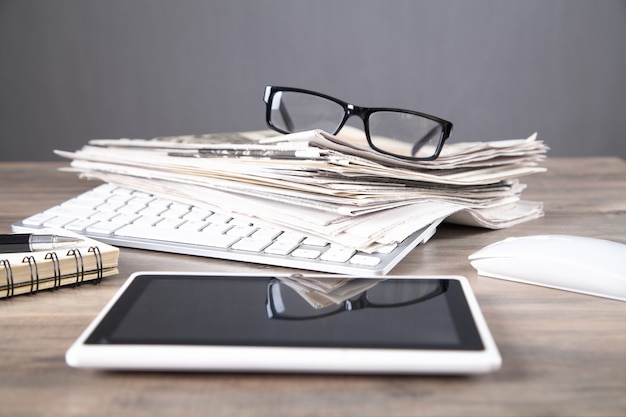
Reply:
x=324, y=185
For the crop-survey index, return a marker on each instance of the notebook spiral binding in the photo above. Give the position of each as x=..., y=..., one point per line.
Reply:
x=57, y=269
x=34, y=278
x=99, y=264
x=80, y=267
x=9, y=275
x=57, y=279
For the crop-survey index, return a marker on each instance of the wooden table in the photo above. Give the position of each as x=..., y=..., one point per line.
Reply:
x=563, y=353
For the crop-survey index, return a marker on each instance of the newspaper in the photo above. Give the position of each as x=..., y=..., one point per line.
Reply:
x=324, y=185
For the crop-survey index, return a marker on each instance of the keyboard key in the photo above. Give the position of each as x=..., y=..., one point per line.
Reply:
x=104, y=228
x=62, y=211
x=305, y=253
x=251, y=245
x=366, y=260
x=217, y=228
x=194, y=226
x=290, y=237
x=197, y=214
x=119, y=198
x=151, y=210
x=175, y=212
x=138, y=193
x=266, y=233
x=119, y=191
x=106, y=189
x=160, y=203
x=58, y=221
x=140, y=199
x=131, y=208
x=110, y=207
x=239, y=222
x=281, y=247
x=219, y=218
x=169, y=223
x=78, y=225
x=315, y=241
x=338, y=253
x=124, y=218
x=147, y=221
x=38, y=219
x=103, y=215
x=241, y=231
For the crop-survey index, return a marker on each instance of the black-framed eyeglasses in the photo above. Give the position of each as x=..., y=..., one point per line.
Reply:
x=284, y=303
x=401, y=133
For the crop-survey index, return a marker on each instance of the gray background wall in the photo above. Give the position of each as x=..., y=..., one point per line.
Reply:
x=75, y=70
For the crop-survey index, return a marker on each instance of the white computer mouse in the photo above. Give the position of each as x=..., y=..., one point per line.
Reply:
x=574, y=263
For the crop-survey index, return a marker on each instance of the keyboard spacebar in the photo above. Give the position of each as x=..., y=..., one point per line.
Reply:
x=178, y=236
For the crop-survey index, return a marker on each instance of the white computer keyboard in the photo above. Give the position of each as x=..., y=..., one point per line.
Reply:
x=134, y=219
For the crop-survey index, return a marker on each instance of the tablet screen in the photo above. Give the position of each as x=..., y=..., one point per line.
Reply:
x=274, y=312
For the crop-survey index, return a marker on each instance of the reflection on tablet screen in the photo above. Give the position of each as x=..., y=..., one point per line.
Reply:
x=266, y=311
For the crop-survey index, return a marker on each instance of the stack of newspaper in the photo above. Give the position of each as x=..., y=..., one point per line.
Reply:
x=324, y=185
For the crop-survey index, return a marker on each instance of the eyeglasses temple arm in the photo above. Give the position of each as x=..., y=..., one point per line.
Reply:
x=423, y=141
x=285, y=114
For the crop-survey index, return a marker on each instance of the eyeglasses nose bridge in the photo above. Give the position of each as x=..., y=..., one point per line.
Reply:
x=352, y=110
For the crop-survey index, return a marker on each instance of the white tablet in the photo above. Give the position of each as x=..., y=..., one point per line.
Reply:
x=268, y=323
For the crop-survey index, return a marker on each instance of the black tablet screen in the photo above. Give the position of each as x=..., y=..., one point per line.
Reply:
x=262, y=311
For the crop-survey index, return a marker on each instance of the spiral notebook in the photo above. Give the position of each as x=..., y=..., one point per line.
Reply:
x=30, y=272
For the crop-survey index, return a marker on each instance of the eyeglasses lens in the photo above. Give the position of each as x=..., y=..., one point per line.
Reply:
x=404, y=134
x=389, y=293
x=296, y=112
